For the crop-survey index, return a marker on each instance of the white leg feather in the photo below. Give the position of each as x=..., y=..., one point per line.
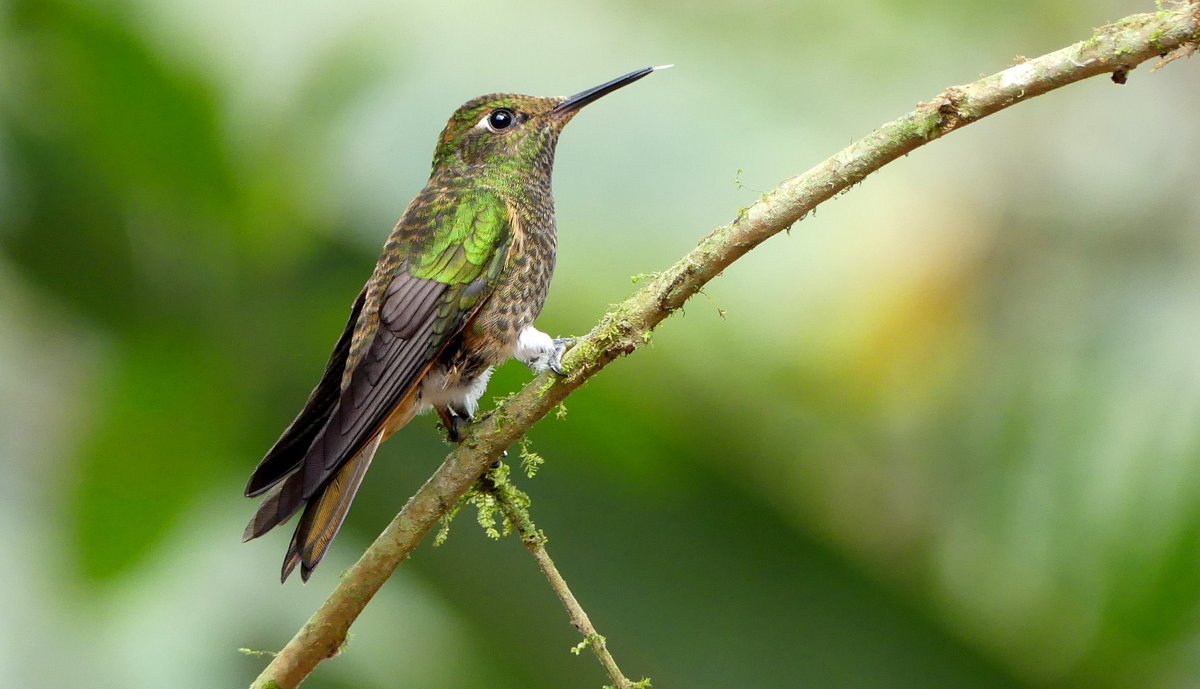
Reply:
x=463, y=395
x=535, y=349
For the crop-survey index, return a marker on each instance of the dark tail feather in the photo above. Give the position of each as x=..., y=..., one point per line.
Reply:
x=325, y=513
x=283, y=500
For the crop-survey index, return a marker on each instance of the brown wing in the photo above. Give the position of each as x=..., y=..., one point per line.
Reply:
x=414, y=326
x=388, y=370
x=404, y=346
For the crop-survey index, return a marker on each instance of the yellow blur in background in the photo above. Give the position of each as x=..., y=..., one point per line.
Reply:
x=944, y=433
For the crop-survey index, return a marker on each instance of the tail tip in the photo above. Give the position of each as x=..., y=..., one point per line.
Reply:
x=289, y=564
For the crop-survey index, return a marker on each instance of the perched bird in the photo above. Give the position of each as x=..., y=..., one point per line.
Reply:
x=459, y=283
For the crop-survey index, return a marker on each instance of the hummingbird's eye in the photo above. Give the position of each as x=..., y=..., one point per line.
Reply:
x=500, y=119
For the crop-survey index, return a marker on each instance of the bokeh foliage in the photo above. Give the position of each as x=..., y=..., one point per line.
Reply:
x=942, y=434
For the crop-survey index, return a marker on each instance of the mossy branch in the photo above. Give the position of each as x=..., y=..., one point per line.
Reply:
x=1114, y=50
x=515, y=506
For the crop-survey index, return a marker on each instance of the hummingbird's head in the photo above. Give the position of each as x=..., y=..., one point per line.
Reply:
x=513, y=132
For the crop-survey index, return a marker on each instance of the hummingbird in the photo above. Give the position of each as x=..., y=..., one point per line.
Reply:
x=456, y=290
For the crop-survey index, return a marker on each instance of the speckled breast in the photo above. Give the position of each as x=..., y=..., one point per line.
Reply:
x=520, y=293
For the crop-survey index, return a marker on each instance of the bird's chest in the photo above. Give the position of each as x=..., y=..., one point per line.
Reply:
x=518, y=298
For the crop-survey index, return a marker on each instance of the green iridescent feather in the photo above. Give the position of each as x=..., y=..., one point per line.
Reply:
x=460, y=251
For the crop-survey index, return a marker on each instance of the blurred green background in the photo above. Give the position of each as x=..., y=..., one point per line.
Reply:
x=945, y=434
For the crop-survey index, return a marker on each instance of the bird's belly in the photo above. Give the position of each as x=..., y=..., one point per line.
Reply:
x=452, y=387
x=493, y=334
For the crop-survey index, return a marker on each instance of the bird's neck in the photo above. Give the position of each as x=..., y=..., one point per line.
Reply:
x=523, y=187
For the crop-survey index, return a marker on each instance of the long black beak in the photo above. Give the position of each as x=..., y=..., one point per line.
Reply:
x=581, y=99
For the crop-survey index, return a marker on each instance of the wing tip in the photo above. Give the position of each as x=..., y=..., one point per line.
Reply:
x=255, y=488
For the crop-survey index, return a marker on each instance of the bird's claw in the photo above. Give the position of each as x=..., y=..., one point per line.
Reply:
x=455, y=432
x=499, y=461
x=455, y=421
x=561, y=345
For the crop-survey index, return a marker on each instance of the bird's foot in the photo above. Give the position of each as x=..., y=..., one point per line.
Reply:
x=454, y=421
x=561, y=345
x=539, y=352
x=499, y=461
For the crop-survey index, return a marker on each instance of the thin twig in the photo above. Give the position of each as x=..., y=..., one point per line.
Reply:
x=515, y=505
x=1113, y=49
